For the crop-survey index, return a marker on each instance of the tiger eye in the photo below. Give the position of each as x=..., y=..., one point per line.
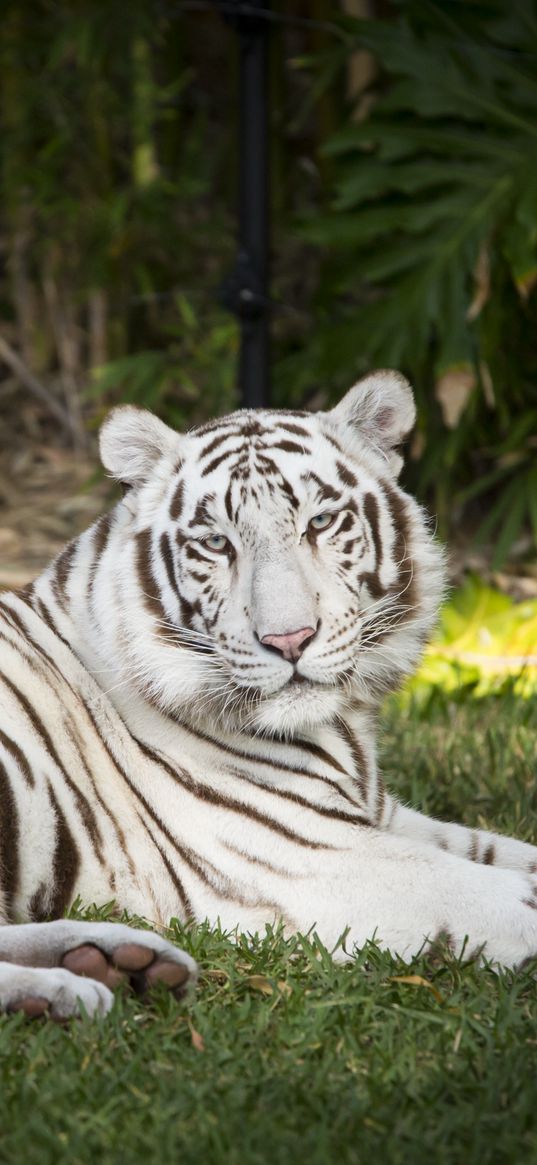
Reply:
x=321, y=521
x=216, y=542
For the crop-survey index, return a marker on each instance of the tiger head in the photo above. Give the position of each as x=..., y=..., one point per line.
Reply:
x=272, y=571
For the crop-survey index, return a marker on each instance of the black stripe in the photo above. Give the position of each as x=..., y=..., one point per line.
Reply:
x=192, y=551
x=9, y=843
x=216, y=441
x=216, y=461
x=346, y=476
x=76, y=741
x=37, y=648
x=202, y=514
x=287, y=447
x=62, y=570
x=36, y=604
x=20, y=760
x=149, y=585
x=167, y=558
x=255, y=758
x=205, y=793
x=371, y=578
x=203, y=872
x=254, y=859
x=297, y=429
x=86, y=812
x=175, y=879
x=289, y=493
x=45, y=614
x=103, y=530
x=473, y=848
x=358, y=756
x=320, y=810
x=14, y=618
x=176, y=504
x=77, y=744
x=227, y=501
x=371, y=512
x=229, y=422
x=404, y=589
x=333, y=441
x=37, y=904
x=381, y=798
x=252, y=427
x=65, y=863
x=321, y=753
x=400, y=519
x=327, y=492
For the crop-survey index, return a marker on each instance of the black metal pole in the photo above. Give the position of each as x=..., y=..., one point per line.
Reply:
x=246, y=291
x=254, y=374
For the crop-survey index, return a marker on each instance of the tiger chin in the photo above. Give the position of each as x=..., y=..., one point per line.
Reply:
x=189, y=699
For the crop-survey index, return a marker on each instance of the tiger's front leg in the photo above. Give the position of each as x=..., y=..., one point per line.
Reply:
x=406, y=893
x=64, y=967
x=476, y=845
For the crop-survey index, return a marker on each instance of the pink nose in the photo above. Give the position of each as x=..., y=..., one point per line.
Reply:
x=291, y=645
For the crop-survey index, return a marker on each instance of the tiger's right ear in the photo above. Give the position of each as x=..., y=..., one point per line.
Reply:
x=132, y=441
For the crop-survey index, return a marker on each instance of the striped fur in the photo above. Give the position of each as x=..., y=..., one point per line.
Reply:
x=153, y=750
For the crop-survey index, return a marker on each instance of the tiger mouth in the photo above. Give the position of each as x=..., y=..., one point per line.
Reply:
x=303, y=684
x=296, y=685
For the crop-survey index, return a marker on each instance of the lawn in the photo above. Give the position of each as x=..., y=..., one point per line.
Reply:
x=285, y=1056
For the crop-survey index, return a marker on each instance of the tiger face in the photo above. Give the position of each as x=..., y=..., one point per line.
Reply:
x=273, y=570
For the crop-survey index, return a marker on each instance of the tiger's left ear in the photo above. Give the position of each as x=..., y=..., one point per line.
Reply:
x=132, y=441
x=380, y=408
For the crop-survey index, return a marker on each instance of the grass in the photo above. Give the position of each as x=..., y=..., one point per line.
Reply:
x=284, y=1056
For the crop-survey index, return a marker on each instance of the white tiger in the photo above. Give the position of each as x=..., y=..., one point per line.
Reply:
x=189, y=695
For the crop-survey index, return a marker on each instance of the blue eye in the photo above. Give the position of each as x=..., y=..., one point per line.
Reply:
x=216, y=542
x=321, y=521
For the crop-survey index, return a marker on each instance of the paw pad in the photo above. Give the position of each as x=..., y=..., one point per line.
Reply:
x=130, y=963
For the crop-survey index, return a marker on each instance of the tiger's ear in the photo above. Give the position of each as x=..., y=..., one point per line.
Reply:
x=132, y=441
x=380, y=408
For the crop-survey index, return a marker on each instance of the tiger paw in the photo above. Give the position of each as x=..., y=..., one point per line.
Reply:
x=139, y=966
x=51, y=991
x=68, y=963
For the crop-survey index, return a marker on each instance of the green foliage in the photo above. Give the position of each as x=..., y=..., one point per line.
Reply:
x=486, y=644
x=191, y=378
x=431, y=248
x=462, y=759
x=111, y=158
x=302, y=1058
x=118, y=167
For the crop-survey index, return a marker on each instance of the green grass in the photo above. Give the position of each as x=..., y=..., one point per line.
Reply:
x=285, y=1056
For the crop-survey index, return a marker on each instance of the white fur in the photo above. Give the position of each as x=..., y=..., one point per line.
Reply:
x=217, y=786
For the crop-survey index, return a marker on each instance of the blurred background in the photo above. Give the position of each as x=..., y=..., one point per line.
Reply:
x=403, y=199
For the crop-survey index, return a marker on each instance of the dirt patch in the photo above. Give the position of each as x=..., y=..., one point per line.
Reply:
x=47, y=496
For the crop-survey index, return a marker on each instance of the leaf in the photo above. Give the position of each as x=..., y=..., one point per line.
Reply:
x=418, y=981
x=481, y=284
x=526, y=282
x=260, y=983
x=519, y=245
x=453, y=391
x=217, y=973
x=512, y=524
x=284, y=987
x=197, y=1039
x=532, y=500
